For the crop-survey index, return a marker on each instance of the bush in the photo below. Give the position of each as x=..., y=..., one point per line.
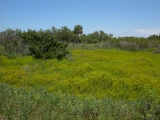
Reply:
x=129, y=45
x=43, y=44
x=12, y=44
x=158, y=49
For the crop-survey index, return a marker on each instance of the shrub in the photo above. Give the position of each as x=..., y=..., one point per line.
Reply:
x=158, y=49
x=129, y=45
x=42, y=44
x=12, y=44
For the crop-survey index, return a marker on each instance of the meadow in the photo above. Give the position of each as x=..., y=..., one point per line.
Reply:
x=88, y=84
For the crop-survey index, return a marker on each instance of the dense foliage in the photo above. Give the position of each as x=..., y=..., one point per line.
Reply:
x=43, y=44
x=11, y=44
x=78, y=29
x=52, y=43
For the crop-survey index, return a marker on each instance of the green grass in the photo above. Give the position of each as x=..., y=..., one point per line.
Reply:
x=93, y=78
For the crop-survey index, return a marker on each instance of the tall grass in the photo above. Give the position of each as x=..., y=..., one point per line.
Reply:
x=39, y=104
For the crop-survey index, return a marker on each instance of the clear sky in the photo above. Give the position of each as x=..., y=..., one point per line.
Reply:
x=118, y=17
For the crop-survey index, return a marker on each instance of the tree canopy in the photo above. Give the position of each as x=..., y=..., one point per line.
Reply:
x=78, y=29
x=52, y=43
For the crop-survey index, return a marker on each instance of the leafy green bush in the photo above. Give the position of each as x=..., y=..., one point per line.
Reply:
x=42, y=44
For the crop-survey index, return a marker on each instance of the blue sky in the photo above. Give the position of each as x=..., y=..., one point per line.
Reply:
x=119, y=17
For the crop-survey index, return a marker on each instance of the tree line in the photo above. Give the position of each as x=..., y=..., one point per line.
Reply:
x=53, y=43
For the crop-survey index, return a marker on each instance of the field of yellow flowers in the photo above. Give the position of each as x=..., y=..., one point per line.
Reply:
x=91, y=73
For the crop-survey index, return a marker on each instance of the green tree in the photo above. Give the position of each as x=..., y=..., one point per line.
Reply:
x=74, y=38
x=83, y=38
x=154, y=37
x=64, y=34
x=103, y=36
x=78, y=29
x=95, y=35
x=99, y=35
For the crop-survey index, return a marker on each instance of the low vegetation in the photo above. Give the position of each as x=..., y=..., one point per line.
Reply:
x=88, y=84
x=39, y=104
